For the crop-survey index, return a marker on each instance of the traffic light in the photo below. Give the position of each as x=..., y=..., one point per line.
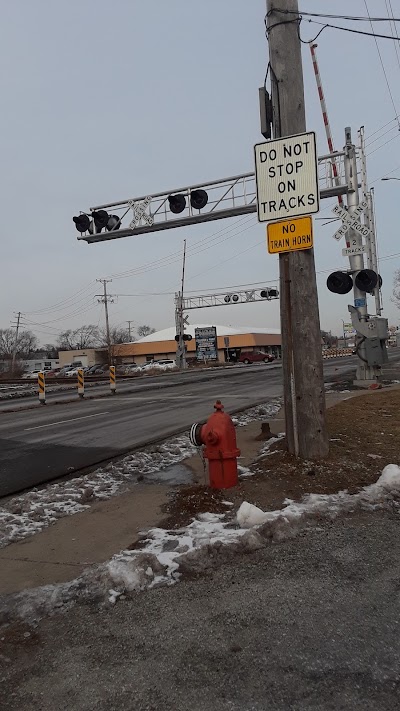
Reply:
x=339, y=282
x=82, y=223
x=269, y=293
x=366, y=280
x=231, y=297
x=100, y=220
x=198, y=200
x=186, y=337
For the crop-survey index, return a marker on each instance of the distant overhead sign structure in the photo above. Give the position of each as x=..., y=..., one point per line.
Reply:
x=287, y=177
x=290, y=235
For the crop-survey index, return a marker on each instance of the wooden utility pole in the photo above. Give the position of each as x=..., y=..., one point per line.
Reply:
x=304, y=392
x=105, y=298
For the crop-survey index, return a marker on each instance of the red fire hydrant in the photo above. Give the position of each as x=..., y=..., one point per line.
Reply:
x=219, y=439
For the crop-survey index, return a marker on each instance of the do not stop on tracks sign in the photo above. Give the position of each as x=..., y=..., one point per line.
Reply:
x=287, y=177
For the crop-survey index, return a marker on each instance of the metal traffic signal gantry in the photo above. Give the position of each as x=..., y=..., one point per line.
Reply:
x=223, y=299
x=215, y=200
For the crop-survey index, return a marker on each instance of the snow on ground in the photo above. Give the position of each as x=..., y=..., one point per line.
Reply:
x=266, y=410
x=209, y=541
x=30, y=513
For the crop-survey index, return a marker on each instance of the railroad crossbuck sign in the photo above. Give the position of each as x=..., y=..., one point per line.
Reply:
x=289, y=235
x=287, y=177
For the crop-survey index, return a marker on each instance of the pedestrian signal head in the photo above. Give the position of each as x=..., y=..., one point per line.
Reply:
x=339, y=282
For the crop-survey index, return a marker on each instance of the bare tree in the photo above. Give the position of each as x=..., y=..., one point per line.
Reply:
x=117, y=335
x=83, y=337
x=26, y=343
x=396, y=288
x=50, y=350
x=145, y=331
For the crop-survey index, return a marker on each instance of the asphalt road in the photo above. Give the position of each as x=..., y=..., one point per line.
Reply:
x=310, y=624
x=48, y=442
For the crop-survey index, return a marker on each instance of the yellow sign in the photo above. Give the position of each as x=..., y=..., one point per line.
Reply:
x=289, y=235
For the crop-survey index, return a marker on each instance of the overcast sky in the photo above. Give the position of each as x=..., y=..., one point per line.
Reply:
x=107, y=100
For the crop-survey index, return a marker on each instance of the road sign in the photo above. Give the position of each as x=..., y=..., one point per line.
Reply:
x=206, y=343
x=349, y=251
x=139, y=212
x=290, y=235
x=351, y=220
x=287, y=177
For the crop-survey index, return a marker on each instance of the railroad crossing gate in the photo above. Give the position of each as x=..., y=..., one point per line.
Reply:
x=287, y=177
x=290, y=235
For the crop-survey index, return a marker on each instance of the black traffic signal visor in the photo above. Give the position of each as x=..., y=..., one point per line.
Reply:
x=339, y=282
x=366, y=280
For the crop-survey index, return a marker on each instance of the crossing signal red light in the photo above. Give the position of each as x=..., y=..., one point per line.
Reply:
x=177, y=203
x=339, y=282
x=82, y=223
x=269, y=293
x=186, y=337
x=198, y=200
x=366, y=280
x=100, y=220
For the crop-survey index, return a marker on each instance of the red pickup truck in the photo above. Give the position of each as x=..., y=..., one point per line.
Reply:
x=255, y=357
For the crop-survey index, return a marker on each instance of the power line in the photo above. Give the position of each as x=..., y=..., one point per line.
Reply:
x=382, y=64
x=335, y=17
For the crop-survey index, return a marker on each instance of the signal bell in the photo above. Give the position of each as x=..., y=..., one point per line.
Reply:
x=339, y=282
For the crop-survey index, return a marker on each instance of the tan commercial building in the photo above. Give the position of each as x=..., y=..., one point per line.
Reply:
x=231, y=342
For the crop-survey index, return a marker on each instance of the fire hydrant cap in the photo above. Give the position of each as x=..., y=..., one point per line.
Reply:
x=219, y=406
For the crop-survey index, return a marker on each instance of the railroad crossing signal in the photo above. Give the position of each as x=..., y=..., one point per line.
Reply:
x=351, y=221
x=139, y=212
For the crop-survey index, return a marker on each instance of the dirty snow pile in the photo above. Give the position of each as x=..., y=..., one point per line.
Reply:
x=266, y=410
x=209, y=541
x=30, y=513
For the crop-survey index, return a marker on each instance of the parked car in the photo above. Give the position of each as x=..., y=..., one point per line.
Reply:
x=33, y=374
x=131, y=368
x=71, y=373
x=90, y=370
x=65, y=369
x=255, y=357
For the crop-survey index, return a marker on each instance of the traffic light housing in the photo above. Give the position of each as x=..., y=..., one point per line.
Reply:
x=339, y=282
x=198, y=200
x=186, y=337
x=367, y=280
x=269, y=293
x=100, y=220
